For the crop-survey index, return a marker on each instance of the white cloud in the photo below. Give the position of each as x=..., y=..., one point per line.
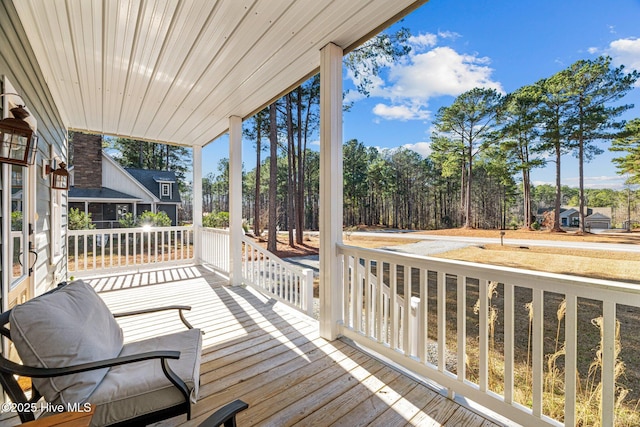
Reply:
x=448, y=35
x=423, y=40
x=615, y=182
x=625, y=52
x=352, y=96
x=429, y=71
x=401, y=112
x=422, y=148
x=441, y=71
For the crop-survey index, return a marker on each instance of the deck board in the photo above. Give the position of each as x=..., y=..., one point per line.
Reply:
x=273, y=358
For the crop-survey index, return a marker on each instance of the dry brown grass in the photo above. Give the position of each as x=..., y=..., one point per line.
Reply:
x=621, y=266
x=571, y=236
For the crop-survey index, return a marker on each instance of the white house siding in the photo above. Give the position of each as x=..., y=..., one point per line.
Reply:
x=116, y=178
x=19, y=64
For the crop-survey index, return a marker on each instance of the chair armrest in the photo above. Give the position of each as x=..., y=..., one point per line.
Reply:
x=33, y=372
x=180, y=308
x=225, y=415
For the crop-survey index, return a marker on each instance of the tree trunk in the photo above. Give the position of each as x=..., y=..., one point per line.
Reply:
x=273, y=178
x=526, y=192
x=256, y=208
x=468, y=223
x=290, y=172
x=581, y=185
x=556, y=215
x=300, y=173
x=463, y=174
x=582, y=213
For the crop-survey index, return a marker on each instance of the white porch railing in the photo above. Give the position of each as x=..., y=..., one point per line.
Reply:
x=215, y=247
x=517, y=361
x=269, y=274
x=99, y=251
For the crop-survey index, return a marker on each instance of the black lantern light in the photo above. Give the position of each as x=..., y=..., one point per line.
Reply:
x=17, y=142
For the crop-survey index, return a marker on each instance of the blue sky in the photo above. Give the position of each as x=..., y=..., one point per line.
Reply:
x=461, y=44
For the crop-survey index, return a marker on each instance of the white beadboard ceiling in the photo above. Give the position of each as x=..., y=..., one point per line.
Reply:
x=175, y=70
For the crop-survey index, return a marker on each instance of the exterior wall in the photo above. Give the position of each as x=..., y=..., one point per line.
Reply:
x=118, y=179
x=19, y=64
x=87, y=156
x=171, y=211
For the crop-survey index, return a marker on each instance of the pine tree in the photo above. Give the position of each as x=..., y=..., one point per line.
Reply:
x=470, y=121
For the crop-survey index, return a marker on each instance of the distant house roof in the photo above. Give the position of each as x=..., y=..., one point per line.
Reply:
x=150, y=179
x=99, y=193
x=567, y=213
x=598, y=215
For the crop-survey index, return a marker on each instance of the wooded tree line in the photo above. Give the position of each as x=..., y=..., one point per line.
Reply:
x=398, y=188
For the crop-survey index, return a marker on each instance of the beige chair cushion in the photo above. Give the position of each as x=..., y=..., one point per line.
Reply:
x=65, y=328
x=140, y=388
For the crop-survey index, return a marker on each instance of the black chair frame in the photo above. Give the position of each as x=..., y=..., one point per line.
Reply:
x=9, y=370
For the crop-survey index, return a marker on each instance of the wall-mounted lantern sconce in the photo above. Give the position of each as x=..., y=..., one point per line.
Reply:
x=17, y=141
x=59, y=177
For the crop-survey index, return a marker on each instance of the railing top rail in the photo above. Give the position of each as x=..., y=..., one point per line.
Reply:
x=130, y=230
x=587, y=287
x=260, y=249
x=215, y=230
x=271, y=255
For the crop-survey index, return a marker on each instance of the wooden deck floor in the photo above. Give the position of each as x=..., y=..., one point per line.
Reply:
x=273, y=359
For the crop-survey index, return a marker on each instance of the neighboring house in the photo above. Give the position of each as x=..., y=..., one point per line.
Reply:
x=106, y=190
x=597, y=220
x=569, y=217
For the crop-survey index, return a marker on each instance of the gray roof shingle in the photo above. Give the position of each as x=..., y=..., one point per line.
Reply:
x=151, y=179
x=98, y=193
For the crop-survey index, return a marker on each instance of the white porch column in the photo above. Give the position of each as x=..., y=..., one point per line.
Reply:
x=235, y=200
x=197, y=203
x=330, y=189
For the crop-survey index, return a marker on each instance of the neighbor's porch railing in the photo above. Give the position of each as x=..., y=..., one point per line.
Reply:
x=98, y=251
x=505, y=338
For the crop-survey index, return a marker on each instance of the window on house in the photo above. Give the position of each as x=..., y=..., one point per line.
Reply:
x=165, y=189
x=122, y=211
x=19, y=223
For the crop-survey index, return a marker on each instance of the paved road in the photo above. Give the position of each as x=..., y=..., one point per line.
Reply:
x=619, y=247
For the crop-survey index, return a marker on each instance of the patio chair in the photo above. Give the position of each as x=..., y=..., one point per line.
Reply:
x=72, y=348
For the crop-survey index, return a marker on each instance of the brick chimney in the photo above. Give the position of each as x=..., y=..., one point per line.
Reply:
x=87, y=160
